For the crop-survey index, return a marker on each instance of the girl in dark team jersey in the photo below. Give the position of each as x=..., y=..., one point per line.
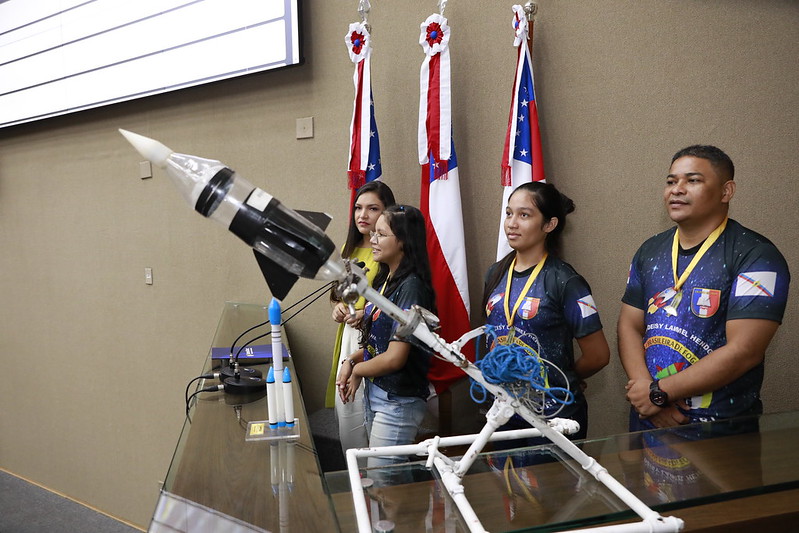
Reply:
x=394, y=371
x=370, y=202
x=535, y=300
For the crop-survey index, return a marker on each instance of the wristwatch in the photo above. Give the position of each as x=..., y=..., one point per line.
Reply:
x=657, y=396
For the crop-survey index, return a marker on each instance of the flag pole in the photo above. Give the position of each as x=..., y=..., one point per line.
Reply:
x=363, y=10
x=530, y=9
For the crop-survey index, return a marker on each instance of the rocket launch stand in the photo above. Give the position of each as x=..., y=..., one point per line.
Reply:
x=419, y=323
x=296, y=247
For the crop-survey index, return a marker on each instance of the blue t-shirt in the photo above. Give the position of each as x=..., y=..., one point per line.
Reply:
x=411, y=380
x=742, y=275
x=557, y=308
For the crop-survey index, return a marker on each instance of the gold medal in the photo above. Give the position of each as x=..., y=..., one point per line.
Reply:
x=511, y=335
x=671, y=308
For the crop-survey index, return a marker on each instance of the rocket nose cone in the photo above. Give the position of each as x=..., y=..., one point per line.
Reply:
x=150, y=149
x=274, y=311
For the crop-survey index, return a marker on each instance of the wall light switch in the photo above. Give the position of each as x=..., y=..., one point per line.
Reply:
x=148, y=276
x=145, y=170
x=305, y=128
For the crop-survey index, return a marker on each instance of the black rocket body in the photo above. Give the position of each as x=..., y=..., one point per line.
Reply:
x=288, y=244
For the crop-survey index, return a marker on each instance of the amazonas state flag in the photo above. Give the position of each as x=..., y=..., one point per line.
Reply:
x=522, y=157
x=441, y=197
x=364, y=153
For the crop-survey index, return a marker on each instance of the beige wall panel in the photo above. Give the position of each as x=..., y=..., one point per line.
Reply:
x=96, y=361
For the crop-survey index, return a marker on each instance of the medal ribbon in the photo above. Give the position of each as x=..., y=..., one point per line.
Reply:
x=529, y=283
x=712, y=238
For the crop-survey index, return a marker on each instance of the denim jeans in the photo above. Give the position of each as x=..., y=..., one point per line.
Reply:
x=390, y=420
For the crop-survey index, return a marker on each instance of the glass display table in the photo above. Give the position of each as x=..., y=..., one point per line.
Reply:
x=220, y=482
x=716, y=477
x=710, y=475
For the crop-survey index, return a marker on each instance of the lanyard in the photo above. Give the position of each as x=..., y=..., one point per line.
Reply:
x=374, y=307
x=712, y=238
x=529, y=283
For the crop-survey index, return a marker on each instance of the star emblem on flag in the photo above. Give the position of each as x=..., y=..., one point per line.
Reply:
x=358, y=41
x=435, y=35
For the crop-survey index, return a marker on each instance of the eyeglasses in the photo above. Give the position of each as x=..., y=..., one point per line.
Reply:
x=378, y=236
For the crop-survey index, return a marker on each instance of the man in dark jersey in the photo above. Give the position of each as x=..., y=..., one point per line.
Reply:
x=702, y=303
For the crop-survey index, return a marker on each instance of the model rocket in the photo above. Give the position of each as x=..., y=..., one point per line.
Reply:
x=271, y=398
x=277, y=362
x=288, y=244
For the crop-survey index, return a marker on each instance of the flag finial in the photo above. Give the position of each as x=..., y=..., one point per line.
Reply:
x=530, y=9
x=363, y=9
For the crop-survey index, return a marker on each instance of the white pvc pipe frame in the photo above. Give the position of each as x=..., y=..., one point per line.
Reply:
x=452, y=472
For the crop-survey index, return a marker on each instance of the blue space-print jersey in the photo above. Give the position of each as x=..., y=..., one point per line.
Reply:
x=558, y=308
x=742, y=275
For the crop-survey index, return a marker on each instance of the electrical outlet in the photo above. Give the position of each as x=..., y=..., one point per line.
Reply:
x=145, y=170
x=305, y=128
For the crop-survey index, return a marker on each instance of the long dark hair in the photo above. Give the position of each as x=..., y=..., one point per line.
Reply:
x=408, y=226
x=355, y=237
x=552, y=204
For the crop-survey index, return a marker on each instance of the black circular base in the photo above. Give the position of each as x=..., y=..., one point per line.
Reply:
x=244, y=398
x=228, y=372
x=244, y=385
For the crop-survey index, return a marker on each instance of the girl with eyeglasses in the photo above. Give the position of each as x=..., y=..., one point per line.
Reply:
x=370, y=202
x=393, y=370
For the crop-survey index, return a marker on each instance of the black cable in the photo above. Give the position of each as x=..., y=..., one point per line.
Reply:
x=186, y=395
x=233, y=344
x=212, y=375
x=213, y=388
x=286, y=320
x=322, y=288
x=306, y=305
x=268, y=333
x=318, y=292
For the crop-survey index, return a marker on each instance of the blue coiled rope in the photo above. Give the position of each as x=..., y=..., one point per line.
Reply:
x=514, y=363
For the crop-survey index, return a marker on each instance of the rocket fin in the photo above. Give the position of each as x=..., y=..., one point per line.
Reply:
x=320, y=220
x=279, y=280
